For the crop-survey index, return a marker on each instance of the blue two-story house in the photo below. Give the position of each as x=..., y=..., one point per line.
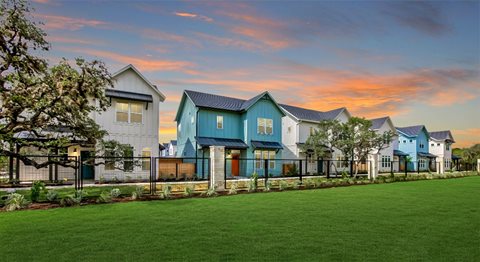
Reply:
x=413, y=141
x=250, y=130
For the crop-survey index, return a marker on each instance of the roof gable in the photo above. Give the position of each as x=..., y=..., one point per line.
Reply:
x=412, y=131
x=445, y=135
x=377, y=123
x=304, y=114
x=211, y=101
x=134, y=69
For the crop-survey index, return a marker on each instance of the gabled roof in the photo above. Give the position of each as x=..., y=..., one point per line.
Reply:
x=377, y=123
x=445, y=135
x=173, y=142
x=304, y=114
x=134, y=69
x=211, y=101
x=412, y=131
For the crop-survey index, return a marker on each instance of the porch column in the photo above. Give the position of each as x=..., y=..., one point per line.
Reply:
x=217, y=167
x=441, y=166
x=373, y=166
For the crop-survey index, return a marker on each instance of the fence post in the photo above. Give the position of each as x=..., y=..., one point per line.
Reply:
x=217, y=163
x=300, y=175
x=300, y=171
x=306, y=165
x=328, y=168
x=391, y=168
x=265, y=171
x=478, y=165
x=418, y=167
x=406, y=167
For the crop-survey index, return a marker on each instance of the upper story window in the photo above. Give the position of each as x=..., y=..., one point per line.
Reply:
x=447, y=146
x=432, y=145
x=264, y=126
x=438, y=144
x=219, y=122
x=411, y=141
x=422, y=146
x=129, y=112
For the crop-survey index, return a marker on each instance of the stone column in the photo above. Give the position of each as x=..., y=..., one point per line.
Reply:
x=478, y=165
x=441, y=166
x=217, y=168
x=373, y=166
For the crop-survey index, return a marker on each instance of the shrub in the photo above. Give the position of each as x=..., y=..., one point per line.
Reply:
x=70, y=200
x=344, y=174
x=282, y=185
x=105, y=197
x=188, y=191
x=79, y=195
x=253, y=183
x=268, y=186
x=166, y=192
x=52, y=195
x=102, y=179
x=309, y=183
x=37, y=188
x=139, y=191
x=233, y=189
x=15, y=201
x=296, y=184
x=115, y=192
x=211, y=192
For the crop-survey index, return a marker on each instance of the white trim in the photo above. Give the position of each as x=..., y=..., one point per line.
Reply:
x=130, y=66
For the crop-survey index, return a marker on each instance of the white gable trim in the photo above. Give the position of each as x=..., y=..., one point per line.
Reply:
x=130, y=66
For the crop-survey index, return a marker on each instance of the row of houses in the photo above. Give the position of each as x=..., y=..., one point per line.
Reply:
x=258, y=128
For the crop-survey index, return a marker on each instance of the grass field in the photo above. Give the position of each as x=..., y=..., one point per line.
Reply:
x=423, y=220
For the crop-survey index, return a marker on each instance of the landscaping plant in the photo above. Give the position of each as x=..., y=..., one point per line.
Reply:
x=15, y=201
x=268, y=186
x=211, y=192
x=37, y=188
x=166, y=192
x=188, y=191
x=105, y=197
x=233, y=189
x=282, y=185
x=115, y=193
x=52, y=196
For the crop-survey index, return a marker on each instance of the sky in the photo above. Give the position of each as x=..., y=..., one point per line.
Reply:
x=417, y=62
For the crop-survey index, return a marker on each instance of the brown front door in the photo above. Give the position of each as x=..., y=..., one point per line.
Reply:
x=235, y=165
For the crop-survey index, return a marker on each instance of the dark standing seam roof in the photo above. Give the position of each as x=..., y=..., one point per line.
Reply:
x=442, y=135
x=411, y=130
x=311, y=115
x=423, y=154
x=226, y=142
x=378, y=122
x=128, y=95
x=266, y=145
x=173, y=142
x=215, y=101
x=399, y=153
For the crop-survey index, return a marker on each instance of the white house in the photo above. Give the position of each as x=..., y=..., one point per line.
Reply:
x=385, y=156
x=297, y=126
x=441, y=146
x=170, y=149
x=132, y=118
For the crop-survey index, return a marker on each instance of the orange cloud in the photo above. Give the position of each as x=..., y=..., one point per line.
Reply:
x=56, y=22
x=146, y=65
x=466, y=137
x=191, y=15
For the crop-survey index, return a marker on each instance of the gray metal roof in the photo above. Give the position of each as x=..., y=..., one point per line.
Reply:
x=226, y=142
x=311, y=115
x=424, y=154
x=411, y=130
x=442, y=135
x=377, y=123
x=215, y=101
x=397, y=152
x=128, y=95
x=266, y=145
x=173, y=142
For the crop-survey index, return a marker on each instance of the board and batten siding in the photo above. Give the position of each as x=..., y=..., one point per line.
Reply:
x=186, y=129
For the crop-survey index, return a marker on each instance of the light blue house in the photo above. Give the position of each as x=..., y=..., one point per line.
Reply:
x=250, y=130
x=413, y=141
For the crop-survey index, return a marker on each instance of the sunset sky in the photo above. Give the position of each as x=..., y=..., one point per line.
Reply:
x=418, y=62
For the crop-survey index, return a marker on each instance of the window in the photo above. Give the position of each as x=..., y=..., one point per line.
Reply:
x=179, y=128
x=261, y=156
x=289, y=129
x=386, y=161
x=109, y=160
x=404, y=141
x=146, y=162
x=136, y=111
x=264, y=126
x=122, y=112
x=342, y=162
x=438, y=144
x=432, y=145
x=219, y=122
x=447, y=146
x=411, y=141
x=129, y=112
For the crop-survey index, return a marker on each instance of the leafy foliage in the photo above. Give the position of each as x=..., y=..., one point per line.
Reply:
x=166, y=191
x=37, y=188
x=52, y=196
x=105, y=197
x=233, y=189
x=15, y=201
x=115, y=192
x=189, y=190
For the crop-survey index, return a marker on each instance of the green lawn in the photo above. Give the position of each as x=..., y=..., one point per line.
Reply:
x=423, y=220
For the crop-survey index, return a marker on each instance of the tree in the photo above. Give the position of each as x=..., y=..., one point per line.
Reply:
x=358, y=140
x=51, y=104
